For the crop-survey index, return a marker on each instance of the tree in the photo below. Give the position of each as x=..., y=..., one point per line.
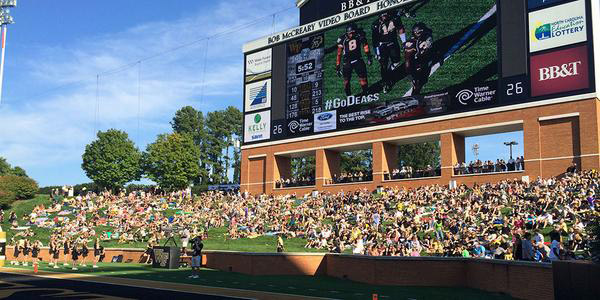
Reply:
x=303, y=166
x=218, y=131
x=234, y=118
x=112, y=160
x=5, y=167
x=18, y=171
x=16, y=188
x=171, y=161
x=418, y=156
x=189, y=121
x=357, y=161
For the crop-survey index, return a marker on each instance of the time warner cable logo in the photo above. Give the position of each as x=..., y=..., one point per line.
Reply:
x=464, y=96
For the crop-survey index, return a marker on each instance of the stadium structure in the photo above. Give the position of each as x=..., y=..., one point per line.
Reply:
x=373, y=75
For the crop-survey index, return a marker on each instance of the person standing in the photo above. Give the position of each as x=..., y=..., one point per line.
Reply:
x=55, y=248
x=74, y=256
x=84, y=252
x=280, y=246
x=98, y=253
x=66, y=251
x=26, y=250
x=197, y=246
x=185, y=239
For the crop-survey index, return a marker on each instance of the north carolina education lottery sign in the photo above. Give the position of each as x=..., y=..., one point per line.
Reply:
x=392, y=61
x=557, y=26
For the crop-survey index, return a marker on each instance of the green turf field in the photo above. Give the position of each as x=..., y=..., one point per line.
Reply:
x=448, y=20
x=300, y=285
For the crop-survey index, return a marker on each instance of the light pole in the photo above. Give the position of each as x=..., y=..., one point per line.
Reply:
x=511, y=144
x=5, y=19
x=475, y=149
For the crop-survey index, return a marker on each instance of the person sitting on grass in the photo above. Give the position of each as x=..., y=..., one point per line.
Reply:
x=147, y=256
x=197, y=246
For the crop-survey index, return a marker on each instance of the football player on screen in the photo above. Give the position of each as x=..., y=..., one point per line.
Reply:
x=349, y=47
x=386, y=31
x=418, y=56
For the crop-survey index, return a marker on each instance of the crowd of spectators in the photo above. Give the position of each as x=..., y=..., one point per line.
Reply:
x=541, y=220
x=351, y=177
x=294, y=182
x=478, y=166
x=407, y=172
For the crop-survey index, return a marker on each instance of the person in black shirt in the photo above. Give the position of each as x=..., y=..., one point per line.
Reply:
x=98, y=253
x=84, y=252
x=385, y=32
x=55, y=248
x=74, y=256
x=66, y=250
x=26, y=250
x=349, y=48
x=35, y=250
x=197, y=246
x=418, y=52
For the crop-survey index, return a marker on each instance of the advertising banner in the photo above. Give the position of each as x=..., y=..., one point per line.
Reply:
x=557, y=26
x=258, y=95
x=259, y=65
x=257, y=126
x=560, y=71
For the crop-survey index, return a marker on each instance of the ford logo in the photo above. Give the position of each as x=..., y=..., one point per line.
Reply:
x=325, y=117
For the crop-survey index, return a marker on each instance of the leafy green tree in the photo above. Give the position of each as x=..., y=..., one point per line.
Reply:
x=171, y=161
x=189, y=121
x=16, y=188
x=234, y=121
x=5, y=167
x=420, y=155
x=18, y=171
x=218, y=131
x=112, y=160
x=357, y=161
x=303, y=166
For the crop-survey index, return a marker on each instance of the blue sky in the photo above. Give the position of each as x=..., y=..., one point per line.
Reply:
x=56, y=48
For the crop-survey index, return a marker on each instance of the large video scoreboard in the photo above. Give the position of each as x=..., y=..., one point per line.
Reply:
x=393, y=61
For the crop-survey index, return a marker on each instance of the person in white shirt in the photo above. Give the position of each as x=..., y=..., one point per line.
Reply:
x=359, y=246
x=538, y=237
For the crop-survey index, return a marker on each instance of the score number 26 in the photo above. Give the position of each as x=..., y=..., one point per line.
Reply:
x=514, y=88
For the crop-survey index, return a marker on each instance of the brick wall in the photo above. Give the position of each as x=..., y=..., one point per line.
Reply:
x=522, y=280
x=550, y=146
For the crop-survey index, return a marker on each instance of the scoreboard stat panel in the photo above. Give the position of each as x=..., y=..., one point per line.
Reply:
x=305, y=77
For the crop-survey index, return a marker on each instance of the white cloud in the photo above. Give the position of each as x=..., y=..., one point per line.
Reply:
x=47, y=134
